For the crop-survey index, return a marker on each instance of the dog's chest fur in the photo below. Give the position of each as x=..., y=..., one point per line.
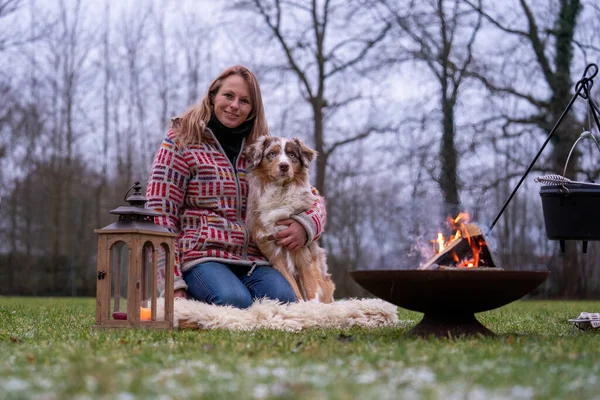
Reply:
x=277, y=202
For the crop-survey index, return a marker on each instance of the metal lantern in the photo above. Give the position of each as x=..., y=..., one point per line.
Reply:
x=131, y=255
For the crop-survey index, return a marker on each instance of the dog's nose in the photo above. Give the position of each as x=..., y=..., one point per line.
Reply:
x=284, y=167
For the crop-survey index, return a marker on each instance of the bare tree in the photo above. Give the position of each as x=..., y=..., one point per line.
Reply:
x=7, y=7
x=68, y=50
x=21, y=131
x=440, y=34
x=161, y=74
x=552, y=46
x=194, y=40
x=62, y=96
x=106, y=69
x=11, y=34
x=543, y=34
x=320, y=51
x=134, y=152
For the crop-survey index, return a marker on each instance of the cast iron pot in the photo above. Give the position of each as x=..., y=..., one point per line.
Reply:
x=571, y=211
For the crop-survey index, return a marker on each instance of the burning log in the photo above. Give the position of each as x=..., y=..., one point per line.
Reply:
x=467, y=249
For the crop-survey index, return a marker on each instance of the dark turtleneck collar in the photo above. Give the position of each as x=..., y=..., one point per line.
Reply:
x=230, y=138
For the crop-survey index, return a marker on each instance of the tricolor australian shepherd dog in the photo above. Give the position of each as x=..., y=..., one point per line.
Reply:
x=278, y=187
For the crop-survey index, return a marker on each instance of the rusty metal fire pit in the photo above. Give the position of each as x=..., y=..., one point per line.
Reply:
x=449, y=299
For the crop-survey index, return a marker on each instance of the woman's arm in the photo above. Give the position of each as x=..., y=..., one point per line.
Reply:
x=165, y=192
x=313, y=220
x=305, y=227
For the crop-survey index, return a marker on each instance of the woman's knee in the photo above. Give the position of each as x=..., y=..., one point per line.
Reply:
x=235, y=298
x=267, y=282
x=281, y=289
x=284, y=293
x=214, y=283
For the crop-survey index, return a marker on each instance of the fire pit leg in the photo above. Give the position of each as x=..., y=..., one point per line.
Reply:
x=449, y=326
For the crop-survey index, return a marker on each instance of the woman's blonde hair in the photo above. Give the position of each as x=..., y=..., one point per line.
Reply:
x=192, y=124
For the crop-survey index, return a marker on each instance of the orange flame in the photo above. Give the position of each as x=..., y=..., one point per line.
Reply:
x=440, y=241
x=458, y=225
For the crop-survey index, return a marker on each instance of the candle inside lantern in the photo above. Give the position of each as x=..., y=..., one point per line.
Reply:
x=145, y=314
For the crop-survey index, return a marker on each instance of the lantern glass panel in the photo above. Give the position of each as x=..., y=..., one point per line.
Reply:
x=162, y=265
x=148, y=278
x=162, y=257
x=119, y=265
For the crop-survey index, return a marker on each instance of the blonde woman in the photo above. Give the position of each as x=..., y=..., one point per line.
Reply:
x=198, y=184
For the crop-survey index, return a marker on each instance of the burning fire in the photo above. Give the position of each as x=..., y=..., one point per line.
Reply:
x=476, y=241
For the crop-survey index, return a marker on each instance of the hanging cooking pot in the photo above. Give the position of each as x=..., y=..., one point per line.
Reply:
x=571, y=208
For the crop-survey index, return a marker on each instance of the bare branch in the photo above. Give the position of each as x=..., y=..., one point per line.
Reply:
x=9, y=37
x=8, y=7
x=369, y=44
x=495, y=22
x=538, y=46
x=319, y=31
x=343, y=103
x=287, y=50
x=509, y=90
x=352, y=139
x=463, y=68
x=587, y=46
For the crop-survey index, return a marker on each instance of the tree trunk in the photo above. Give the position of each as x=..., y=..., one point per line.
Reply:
x=319, y=146
x=448, y=158
x=567, y=133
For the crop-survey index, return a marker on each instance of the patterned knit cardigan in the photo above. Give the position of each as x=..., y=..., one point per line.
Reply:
x=202, y=196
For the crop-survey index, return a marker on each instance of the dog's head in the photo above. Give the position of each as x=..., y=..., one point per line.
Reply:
x=280, y=159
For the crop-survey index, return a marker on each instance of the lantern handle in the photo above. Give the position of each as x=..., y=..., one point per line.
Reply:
x=137, y=186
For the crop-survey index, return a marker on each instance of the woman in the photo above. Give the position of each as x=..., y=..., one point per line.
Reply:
x=198, y=184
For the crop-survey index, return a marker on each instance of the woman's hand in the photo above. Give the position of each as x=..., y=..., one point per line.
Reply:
x=180, y=293
x=293, y=237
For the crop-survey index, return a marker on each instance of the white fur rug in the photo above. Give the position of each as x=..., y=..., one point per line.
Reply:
x=270, y=314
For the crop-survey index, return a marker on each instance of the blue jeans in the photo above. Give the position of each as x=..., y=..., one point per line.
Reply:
x=222, y=284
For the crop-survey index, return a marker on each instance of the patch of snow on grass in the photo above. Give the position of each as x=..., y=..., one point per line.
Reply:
x=14, y=385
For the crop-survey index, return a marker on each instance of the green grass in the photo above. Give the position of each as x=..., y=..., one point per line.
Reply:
x=49, y=351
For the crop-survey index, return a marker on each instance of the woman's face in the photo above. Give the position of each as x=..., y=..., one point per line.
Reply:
x=232, y=101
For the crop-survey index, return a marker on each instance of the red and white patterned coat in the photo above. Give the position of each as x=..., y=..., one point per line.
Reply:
x=202, y=196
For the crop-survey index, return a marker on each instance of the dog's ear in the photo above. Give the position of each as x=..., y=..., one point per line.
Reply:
x=254, y=152
x=307, y=155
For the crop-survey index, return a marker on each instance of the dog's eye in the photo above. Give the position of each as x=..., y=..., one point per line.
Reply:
x=291, y=155
x=271, y=154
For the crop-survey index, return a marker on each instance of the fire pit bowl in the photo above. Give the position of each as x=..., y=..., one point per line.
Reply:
x=449, y=299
